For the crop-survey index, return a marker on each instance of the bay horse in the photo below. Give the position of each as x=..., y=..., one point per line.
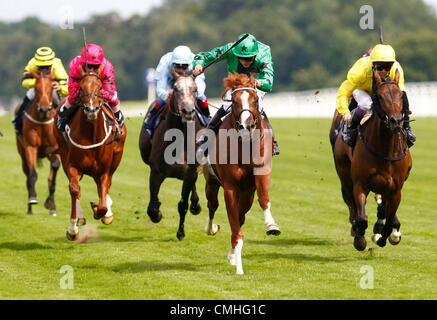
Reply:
x=89, y=146
x=38, y=140
x=379, y=162
x=179, y=117
x=247, y=172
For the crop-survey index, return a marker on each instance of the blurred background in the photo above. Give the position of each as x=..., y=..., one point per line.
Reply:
x=313, y=43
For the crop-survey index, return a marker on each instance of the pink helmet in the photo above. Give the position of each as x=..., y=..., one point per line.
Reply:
x=94, y=54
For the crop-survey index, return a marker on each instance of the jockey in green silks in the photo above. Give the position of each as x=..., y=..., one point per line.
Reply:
x=250, y=57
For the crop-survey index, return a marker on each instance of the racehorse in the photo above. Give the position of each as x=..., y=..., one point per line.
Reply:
x=38, y=140
x=246, y=172
x=90, y=146
x=379, y=162
x=178, y=116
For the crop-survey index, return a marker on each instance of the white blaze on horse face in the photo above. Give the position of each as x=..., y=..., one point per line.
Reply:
x=245, y=103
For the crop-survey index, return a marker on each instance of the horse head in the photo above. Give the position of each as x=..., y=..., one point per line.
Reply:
x=245, y=105
x=184, y=96
x=43, y=92
x=90, y=88
x=388, y=101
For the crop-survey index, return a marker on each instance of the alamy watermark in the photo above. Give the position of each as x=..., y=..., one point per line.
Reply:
x=67, y=281
x=368, y=18
x=366, y=281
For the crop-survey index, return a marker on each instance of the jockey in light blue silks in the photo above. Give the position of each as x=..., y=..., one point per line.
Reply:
x=181, y=61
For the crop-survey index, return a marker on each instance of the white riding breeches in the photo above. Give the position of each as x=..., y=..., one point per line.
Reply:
x=363, y=99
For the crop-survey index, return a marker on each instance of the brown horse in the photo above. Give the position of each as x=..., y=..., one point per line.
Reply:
x=380, y=162
x=238, y=170
x=38, y=140
x=89, y=147
x=180, y=118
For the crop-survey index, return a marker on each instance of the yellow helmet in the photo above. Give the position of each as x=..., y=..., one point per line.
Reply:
x=44, y=56
x=383, y=53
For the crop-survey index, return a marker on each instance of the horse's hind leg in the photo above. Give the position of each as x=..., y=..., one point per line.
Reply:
x=50, y=201
x=379, y=224
x=359, y=223
x=212, y=188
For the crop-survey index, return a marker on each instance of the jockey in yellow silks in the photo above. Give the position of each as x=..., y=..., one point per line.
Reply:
x=44, y=59
x=359, y=85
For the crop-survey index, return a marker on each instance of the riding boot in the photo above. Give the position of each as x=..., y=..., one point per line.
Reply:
x=409, y=135
x=350, y=130
x=26, y=102
x=275, y=143
x=64, y=116
x=214, y=125
x=120, y=118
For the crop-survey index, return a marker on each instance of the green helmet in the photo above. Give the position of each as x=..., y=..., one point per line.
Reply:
x=246, y=48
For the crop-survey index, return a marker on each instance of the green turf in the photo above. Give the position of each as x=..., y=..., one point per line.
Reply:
x=133, y=258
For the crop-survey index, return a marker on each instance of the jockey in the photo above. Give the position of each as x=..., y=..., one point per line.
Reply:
x=44, y=59
x=359, y=83
x=250, y=57
x=179, y=60
x=91, y=58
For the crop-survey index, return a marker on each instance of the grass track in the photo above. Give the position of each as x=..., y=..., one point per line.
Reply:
x=133, y=258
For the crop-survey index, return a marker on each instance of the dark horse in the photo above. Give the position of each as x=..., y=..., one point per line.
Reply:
x=38, y=139
x=380, y=162
x=89, y=147
x=239, y=171
x=180, y=118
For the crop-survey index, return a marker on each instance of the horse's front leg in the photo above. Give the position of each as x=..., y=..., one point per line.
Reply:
x=392, y=224
x=103, y=185
x=31, y=155
x=359, y=222
x=262, y=183
x=195, y=207
x=155, y=181
x=74, y=177
x=55, y=163
x=183, y=206
x=232, y=195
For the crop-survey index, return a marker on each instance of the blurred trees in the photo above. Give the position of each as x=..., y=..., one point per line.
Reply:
x=313, y=42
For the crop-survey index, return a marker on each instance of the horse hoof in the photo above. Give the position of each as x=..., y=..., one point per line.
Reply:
x=53, y=213
x=195, y=208
x=273, y=230
x=32, y=200
x=377, y=228
x=376, y=237
x=232, y=259
x=72, y=237
x=381, y=242
x=81, y=222
x=180, y=236
x=155, y=217
x=107, y=220
x=49, y=204
x=395, y=238
x=360, y=243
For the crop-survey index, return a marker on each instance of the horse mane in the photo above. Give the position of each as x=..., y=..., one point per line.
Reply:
x=235, y=80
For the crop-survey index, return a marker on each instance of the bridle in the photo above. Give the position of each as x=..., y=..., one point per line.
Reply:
x=237, y=117
x=186, y=97
x=384, y=117
x=91, y=95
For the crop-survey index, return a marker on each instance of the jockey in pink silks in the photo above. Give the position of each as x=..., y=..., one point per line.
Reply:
x=90, y=60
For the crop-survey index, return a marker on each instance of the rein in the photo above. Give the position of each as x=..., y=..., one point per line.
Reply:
x=384, y=118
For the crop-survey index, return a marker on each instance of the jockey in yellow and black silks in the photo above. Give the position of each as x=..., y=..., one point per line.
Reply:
x=44, y=59
x=359, y=85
